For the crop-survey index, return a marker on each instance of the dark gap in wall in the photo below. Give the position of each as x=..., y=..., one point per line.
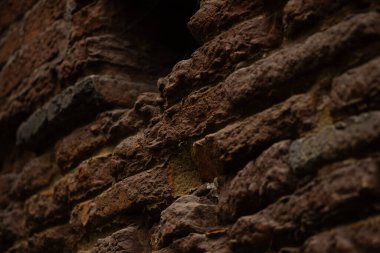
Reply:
x=163, y=24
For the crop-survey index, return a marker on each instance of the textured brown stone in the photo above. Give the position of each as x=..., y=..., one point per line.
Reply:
x=40, y=50
x=35, y=175
x=197, y=215
x=42, y=210
x=334, y=142
x=88, y=178
x=325, y=199
x=214, y=16
x=234, y=145
x=81, y=101
x=84, y=141
x=130, y=239
x=357, y=90
x=261, y=112
x=265, y=81
x=6, y=184
x=299, y=14
x=260, y=182
x=149, y=191
x=11, y=11
x=362, y=236
x=242, y=42
x=11, y=225
x=60, y=239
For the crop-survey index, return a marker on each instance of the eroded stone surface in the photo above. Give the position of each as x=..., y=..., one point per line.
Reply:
x=197, y=215
x=234, y=145
x=337, y=141
x=323, y=200
x=362, y=236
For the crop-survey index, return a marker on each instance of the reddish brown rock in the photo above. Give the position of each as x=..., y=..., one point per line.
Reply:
x=215, y=16
x=42, y=210
x=35, y=175
x=357, y=90
x=362, y=236
x=260, y=182
x=197, y=215
x=84, y=141
x=130, y=239
x=265, y=81
x=325, y=200
x=150, y=191
x=81, y=101
x=60, y=239
x=12, y=11
x=41, y=17
x=202, y=243
x=234, y=145
x=90, y=177
x=40, y=50
x=242, y=42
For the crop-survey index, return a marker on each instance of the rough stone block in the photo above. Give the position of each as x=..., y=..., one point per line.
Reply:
x=236, y=144
x=323, y=201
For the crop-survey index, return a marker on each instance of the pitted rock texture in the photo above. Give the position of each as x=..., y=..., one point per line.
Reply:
x=189, y=126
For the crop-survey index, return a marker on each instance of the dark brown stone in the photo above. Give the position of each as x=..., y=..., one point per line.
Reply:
x=333, y=142
x=357, y=90
x=6, y=184
x=362, y=236
x=90, y=177
x=130, y=239
x=11, y=225
x=237, y=143
x=35, y=175
x=197, y=216
x=242, y=42
x=260, y=182
x=149, y=191
x=42, y=210
x=325, y=200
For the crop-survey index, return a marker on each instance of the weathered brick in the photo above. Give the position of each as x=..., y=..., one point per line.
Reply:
x=265, y=81
x=130, y=239
x=216, y=15
x=149, y=191
x=335, y=142
x=197, y=216
x=84, y=141
x=11, y=225
x=300, y=14
x=6, y=184
x=242, y=42
x=259, y=183
x=35, y=175
x=48, y=46
x=60, y=239
x=88, y=178
x=9, y=43
x=42, y=210
x=81, y=101
x=357, y=89
x=235, y=145
x=41, y=17
x=325, y=200
x=11, y=11
x=361, y=236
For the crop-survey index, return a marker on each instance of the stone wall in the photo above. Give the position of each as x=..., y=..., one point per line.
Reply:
x=120, y=132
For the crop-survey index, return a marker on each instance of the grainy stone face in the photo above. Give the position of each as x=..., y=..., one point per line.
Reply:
x=189, y=126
